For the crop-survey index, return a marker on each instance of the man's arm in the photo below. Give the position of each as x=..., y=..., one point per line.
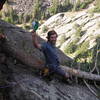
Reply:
x=35, y=40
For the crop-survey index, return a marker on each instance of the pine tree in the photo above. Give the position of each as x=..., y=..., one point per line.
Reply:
x=55, y=6
x=37, y=9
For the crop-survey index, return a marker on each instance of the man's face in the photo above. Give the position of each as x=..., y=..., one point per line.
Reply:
x=53, y=39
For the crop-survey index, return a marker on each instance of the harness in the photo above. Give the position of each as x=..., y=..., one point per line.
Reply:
x=46, y=71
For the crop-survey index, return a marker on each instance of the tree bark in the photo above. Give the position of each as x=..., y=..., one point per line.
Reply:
x=81, y=74
x=19, y=45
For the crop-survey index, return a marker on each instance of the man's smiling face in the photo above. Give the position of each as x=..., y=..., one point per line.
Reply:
x=53, y=39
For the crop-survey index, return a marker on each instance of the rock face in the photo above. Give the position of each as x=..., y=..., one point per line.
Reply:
x=20, y=82
x=74, y=27
x=26, y=6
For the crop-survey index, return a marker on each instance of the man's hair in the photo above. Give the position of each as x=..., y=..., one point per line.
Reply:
x=52, y=32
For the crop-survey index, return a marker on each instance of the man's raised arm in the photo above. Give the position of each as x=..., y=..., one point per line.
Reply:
x=35, y=40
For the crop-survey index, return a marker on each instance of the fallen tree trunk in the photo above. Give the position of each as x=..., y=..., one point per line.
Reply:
x=81, y=74
x=19, y=45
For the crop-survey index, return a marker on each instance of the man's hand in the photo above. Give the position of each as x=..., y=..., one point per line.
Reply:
x=33, y=33
x=35, y=40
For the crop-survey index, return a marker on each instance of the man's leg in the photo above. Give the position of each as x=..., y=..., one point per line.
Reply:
x=59, y=71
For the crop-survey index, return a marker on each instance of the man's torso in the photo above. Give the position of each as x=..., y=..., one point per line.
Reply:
x=50, y=53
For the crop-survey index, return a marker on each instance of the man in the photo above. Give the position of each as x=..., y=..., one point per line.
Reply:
x=50, y=53
x=2, y=3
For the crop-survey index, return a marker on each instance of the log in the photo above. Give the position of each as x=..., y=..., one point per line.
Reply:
x=81, y=74
x=19, y=45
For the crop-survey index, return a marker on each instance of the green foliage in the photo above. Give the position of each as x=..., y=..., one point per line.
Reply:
x=88, y=58
x=20, y=18
x=65, y=6
x=85, y=58
x=55, y=6
x=96, y=54
x=97, y=4
x=58, y=7
x=44, y=29
x=81, y=5
x=71, y=47
x=76, y=5
x=82, y=48
x=61, y=40
x=10, y=15
x=40, y=12
x=8, y=19
x=79, y=31
x=27, y=27
x=37, y=9
x=97, y=8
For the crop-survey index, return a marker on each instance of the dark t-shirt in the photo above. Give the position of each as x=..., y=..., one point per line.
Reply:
x=52, y=60
x=50, y=53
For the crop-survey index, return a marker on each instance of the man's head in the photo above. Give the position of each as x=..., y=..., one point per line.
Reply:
x=52, y=37
x=2, y=3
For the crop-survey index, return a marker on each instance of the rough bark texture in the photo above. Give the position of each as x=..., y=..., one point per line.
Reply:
x=22, y=84
x=19, y=82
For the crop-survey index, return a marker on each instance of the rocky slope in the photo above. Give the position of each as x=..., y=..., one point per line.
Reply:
x=20, y=82
x=74, y=28
x=26, y=6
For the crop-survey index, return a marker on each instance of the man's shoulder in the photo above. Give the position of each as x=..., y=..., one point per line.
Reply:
x=44, y=44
